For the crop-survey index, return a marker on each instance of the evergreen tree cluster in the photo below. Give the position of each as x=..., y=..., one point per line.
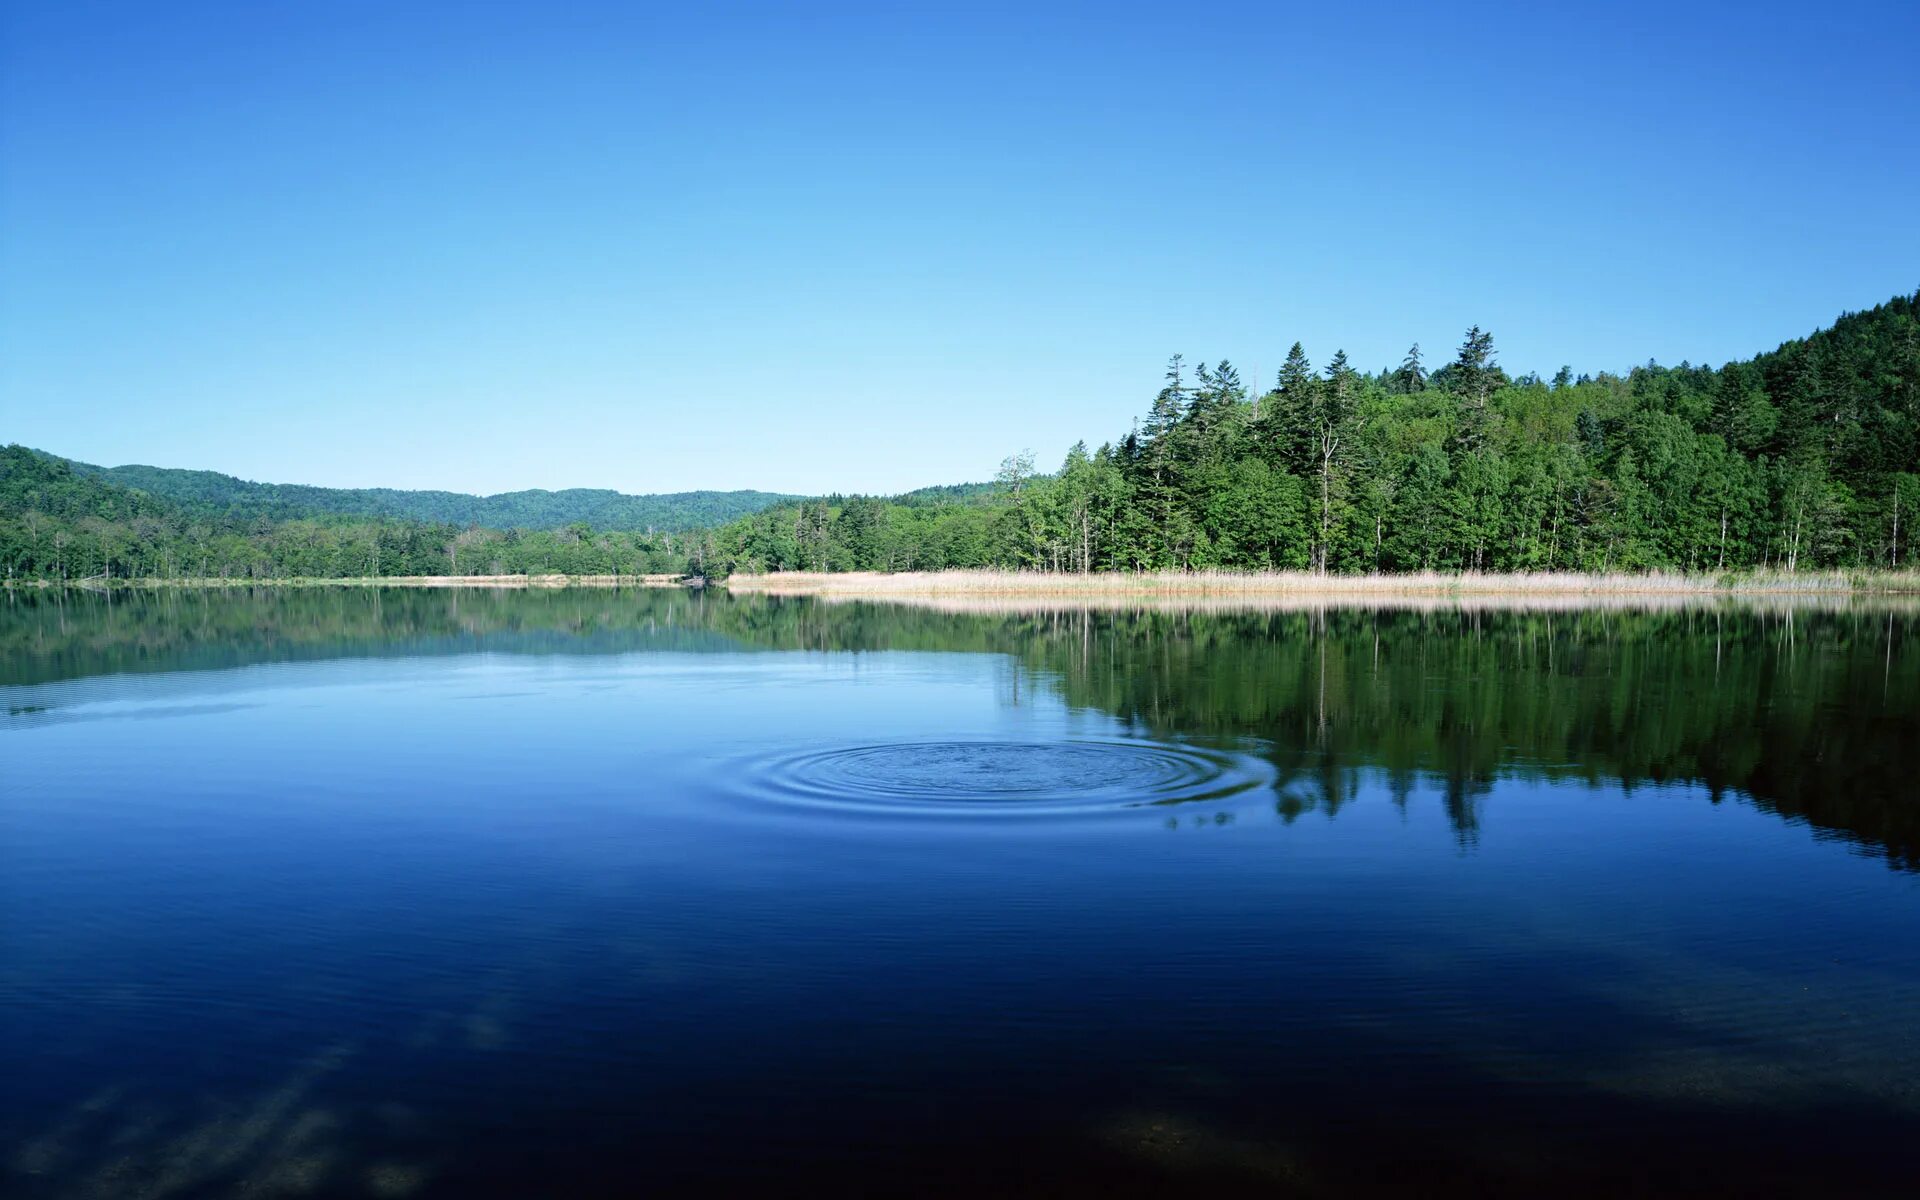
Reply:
x=1808, y=456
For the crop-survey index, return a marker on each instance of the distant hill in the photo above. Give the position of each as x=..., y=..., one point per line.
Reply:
x=63, y=520
x=32, y=481
x=212, y=494
x=948, y=493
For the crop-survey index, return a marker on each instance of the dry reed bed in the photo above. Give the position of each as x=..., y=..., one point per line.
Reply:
x=1010, y=604
x=1308, y=588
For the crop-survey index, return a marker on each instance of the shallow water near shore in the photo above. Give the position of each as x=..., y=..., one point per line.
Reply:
x=597, y=892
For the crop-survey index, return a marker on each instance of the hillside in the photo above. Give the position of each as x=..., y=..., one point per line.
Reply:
x=212, y=494
x=61, y=519
x=33, y=482
x=63, y=522
x=1805, y=456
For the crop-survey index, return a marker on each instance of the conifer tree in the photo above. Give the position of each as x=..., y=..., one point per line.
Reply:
x=1288, y=417
x=1412, y=376
x=1473, y=379
x=1333, y=411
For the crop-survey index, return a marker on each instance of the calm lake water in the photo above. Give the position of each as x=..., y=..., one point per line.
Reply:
x=473, y=894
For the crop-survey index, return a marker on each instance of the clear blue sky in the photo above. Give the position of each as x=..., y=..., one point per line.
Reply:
x=807, y=247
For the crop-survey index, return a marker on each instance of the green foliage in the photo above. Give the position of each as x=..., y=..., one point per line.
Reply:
x=211, y=494
x=61, y=522
x=1807, y=456
x=1795, y=459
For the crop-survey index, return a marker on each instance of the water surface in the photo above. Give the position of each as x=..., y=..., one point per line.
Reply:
x=586, y=892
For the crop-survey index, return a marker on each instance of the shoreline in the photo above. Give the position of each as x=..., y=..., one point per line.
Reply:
x=362, y=581
x=1223, y=585
x=1120, y=587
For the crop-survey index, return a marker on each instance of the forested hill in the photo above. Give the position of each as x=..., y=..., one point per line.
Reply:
x=62, y=523
x=1806, y=456
x=211, y=494
x=68, y=521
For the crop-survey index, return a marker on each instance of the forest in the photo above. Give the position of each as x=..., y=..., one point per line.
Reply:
x=61, y=523
x=1804, y=457
x=212, y=494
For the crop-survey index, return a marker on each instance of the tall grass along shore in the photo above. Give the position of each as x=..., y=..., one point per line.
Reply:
x=1071, y=588
x=1306, y=584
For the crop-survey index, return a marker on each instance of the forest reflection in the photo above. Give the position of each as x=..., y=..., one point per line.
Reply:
x=1806, y=710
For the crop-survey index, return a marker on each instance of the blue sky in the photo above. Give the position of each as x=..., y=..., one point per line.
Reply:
x=811, y=247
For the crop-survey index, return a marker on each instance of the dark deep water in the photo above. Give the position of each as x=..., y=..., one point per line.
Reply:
x=400, y=893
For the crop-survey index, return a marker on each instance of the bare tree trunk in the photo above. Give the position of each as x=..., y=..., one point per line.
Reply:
x=1793, y=551
x=1896, y=523
x=1326, y=471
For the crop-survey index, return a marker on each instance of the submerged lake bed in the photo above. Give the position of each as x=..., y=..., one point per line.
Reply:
x=599, y=892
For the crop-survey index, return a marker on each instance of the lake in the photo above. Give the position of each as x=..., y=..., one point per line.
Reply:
x=345, y=891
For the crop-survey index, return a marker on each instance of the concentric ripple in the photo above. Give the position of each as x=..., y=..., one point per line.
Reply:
x=1004, y=777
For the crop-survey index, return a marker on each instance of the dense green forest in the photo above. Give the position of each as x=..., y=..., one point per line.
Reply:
x=1805, y=456
x=1806, y=713
x=209, y=494
x=60, y=522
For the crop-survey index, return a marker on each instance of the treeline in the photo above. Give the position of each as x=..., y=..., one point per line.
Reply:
x=210, y=494
x=1806, y=456
x=58, y=523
